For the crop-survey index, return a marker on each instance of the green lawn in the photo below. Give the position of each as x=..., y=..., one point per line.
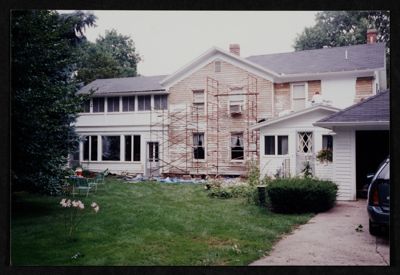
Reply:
x=146, y=224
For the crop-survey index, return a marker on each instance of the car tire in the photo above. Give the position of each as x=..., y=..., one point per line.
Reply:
x=373, y=228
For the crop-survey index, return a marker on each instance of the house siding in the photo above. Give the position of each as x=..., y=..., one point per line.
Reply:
x=344, y=164
x=181, y=95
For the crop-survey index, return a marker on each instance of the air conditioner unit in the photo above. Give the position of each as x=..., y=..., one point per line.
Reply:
x=235, y=109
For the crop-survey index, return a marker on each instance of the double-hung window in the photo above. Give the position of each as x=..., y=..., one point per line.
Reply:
x=327, y=142
x=236, y=101
x=90, y=148
x=237, y=147
x=160, y=102
x=113, y=104
x=128, y=103
x=198, y=146
x=98, y=104
x=198, y=102
x=298, y=97
x=86, y=106
x=132, y=148
x=144, y=102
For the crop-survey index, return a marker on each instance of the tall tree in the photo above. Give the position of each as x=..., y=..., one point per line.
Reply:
x=113, y=55
x=43, y=59
x=342, y=28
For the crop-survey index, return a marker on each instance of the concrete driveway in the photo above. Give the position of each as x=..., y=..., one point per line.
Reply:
x=330, y=238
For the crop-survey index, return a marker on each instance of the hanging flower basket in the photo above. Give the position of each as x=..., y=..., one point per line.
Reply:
x=325, y=155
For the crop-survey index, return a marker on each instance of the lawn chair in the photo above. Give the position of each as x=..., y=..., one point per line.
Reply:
x=82, y=184
x=101, y=176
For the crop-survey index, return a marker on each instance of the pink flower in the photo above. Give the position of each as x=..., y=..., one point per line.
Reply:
x=81, y=205
x=68, y=203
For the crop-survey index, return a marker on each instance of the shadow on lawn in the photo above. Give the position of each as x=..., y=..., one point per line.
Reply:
x=22, y=205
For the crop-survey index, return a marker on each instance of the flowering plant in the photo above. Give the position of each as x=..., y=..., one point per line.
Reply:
x=325, y=155
x=73, y=217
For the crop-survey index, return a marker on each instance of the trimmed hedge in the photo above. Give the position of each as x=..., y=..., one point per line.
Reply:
x=301, y=195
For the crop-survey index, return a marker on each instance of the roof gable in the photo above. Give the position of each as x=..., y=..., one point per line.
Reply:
x=315, y=108
x=359, y=57
x=211, y=55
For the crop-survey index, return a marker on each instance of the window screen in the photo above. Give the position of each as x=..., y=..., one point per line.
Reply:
x=299, y=97
x=128, y=103
x=113, y=104
x=269, y=145
x=283, y=145
x=98, y=104
x=198, y=146
x=111, y=147
x=144, y=103
x=160, y=102
x=237, y=149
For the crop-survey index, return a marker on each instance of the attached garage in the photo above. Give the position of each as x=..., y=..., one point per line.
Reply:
x=361, y=142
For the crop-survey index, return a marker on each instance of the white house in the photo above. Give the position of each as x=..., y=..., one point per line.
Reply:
x=221, y=110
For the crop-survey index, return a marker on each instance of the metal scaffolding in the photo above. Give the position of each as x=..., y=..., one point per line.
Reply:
x=176, y=143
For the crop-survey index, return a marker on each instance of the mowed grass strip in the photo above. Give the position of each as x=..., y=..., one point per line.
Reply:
x=146, y=223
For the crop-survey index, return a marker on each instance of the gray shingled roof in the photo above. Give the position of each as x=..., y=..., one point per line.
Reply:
x=366, y=56
x=373, y=109
x=125, y=84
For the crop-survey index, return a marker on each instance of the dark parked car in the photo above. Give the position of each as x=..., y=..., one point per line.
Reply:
x=379, y=198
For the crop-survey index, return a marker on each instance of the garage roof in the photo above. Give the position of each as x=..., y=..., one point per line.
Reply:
x=375, y=109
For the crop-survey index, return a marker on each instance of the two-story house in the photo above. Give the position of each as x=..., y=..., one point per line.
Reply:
x=220, y=111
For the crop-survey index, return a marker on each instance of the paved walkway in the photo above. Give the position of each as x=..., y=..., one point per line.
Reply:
x=330, y=238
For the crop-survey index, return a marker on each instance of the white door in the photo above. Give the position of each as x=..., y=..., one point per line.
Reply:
x=304, y=152
x=152, y=160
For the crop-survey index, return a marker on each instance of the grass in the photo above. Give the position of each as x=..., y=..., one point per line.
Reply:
x=146, y=224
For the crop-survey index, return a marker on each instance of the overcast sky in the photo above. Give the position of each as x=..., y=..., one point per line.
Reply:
x=168, y=40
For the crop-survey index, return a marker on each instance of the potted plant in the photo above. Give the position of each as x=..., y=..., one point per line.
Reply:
x=325, y=155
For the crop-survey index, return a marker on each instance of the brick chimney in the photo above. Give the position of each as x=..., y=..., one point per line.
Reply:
x=235, y=49
x=371, y=36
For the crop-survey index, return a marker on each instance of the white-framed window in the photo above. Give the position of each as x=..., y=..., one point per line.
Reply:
x=327, y=142
x=89, y=148
x=86, y=106
x=236, y=100
x=276, y=145
x=198, y=146
x=128, y=103
x=113, y=104
x=237, y=147
x=299, y=96
x=160, y=102
x=144, y=102
x=132, y=148
x=98, y=104
x=111, y=147
x=305, y=142
x=198, y=102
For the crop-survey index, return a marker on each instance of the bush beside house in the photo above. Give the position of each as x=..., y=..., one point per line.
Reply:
x=301, y=195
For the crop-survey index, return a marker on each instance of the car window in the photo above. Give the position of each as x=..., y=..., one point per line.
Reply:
x=385, y=172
